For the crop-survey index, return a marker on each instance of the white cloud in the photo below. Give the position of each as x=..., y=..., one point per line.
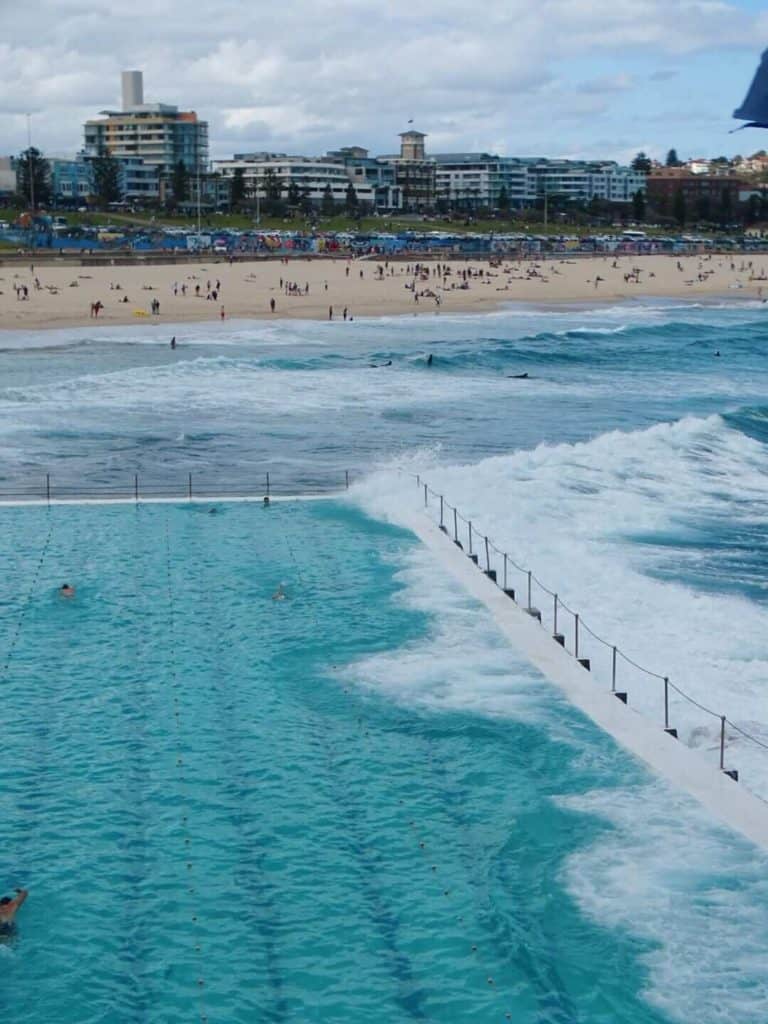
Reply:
x=303, y=76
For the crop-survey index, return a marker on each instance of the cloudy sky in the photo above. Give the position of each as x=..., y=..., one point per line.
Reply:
x=577, y=78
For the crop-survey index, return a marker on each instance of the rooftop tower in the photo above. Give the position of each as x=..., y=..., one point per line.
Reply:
x=133, y=89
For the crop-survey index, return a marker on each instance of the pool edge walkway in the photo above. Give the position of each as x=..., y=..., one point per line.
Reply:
x=729, y=801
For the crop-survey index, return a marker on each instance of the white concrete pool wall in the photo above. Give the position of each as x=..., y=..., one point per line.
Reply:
x=727, y=800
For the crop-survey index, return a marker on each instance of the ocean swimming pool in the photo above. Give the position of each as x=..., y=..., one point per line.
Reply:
x=353, y=804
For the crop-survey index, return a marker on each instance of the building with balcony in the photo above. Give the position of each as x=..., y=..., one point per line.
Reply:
x=71, y=180
x=414, y=172
x=705, y=196
x=156, y=133
x=471, y=181
x=312, y=176
x=364, y=169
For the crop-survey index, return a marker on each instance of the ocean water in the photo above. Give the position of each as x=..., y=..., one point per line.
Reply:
x=628, y=470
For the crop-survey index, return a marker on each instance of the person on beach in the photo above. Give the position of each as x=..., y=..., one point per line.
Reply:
x=173, y=341
x=8, y=909
x=67, y=590
x=272, y=305
x=330, y=312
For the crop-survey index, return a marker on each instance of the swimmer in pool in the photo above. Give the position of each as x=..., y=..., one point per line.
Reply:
x=66, y=590
x=279, y=594
x=8, y=908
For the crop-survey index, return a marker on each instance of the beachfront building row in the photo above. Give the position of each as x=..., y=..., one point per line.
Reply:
x=414, y=181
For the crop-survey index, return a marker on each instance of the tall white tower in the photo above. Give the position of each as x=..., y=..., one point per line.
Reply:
x=133, y=89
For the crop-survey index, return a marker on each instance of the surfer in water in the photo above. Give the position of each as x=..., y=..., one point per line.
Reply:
x=517, y=376
x=429, y=359
x=8, y=909
x=173, y=341
x=279, y=594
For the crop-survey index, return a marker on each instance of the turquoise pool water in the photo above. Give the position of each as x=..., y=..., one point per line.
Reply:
x=224, y=815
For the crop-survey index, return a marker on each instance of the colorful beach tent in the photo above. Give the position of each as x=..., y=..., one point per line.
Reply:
x=755, y=106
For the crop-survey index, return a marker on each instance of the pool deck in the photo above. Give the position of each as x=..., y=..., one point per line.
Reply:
x=730, y=802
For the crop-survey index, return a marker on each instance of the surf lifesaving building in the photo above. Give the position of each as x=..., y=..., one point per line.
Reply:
x=154, y=136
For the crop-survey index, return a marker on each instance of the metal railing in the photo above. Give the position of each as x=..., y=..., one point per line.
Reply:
x=566, y=625
x=191, y=486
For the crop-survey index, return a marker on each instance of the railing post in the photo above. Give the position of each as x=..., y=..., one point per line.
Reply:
x=48, y=487
x=136, y=486
x=576, y=634
x=530, y=574
x=487, y=556
x=189, y=487
x=469, y=524
x=505, y=571
x=666, y=702
x=418, y=480
x=722, y=743
x=554, y=624
x=455, y=526
x=426, y=499
x=441, y=510
x=613, y=669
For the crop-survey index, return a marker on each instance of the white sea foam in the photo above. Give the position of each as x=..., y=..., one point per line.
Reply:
x=570, y=512
x=665, y=874
x=464, y=664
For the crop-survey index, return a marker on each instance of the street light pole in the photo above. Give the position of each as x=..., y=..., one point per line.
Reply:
x=29, y=161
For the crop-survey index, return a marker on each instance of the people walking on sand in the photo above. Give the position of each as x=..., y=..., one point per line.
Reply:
x=173, y=341
x=344, y=314
x=272, y=305
x=222, y=314
x=330, y=312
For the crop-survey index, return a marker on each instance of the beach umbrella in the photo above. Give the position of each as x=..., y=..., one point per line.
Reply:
x=755, y=106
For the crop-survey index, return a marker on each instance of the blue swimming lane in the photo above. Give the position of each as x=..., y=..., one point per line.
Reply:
x=218, y=822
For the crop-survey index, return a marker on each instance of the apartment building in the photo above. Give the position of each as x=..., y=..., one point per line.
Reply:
x=159, y=134
x=311, y=175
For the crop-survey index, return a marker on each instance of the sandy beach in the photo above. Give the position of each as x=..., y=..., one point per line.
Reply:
x=55, y=296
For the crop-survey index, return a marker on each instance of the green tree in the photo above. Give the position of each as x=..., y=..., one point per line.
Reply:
x=237, y=188
x=180, y=182
x=106, y=178
x=638, y=206
x=679, y=208
x=642, y=163
x=327, y=204
x=672, y=160
x=273, y=192
x=294, y=195
x=305, y=200
x=503, y=200
x=33, y=178
x=350, y=199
